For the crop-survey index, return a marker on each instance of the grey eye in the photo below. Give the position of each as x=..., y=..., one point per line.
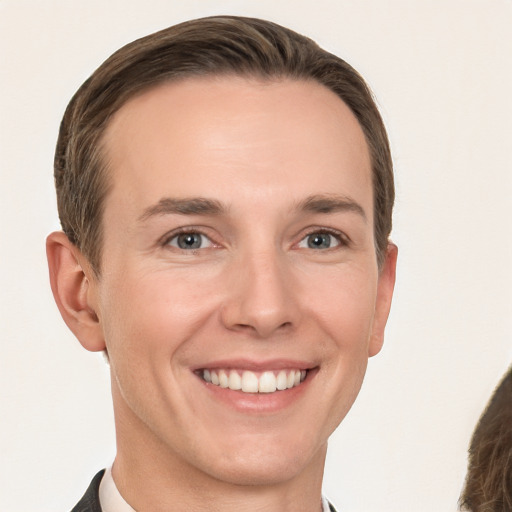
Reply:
x=190, y=241
x=319, y=241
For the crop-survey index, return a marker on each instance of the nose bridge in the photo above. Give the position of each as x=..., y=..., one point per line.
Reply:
x=261, y=299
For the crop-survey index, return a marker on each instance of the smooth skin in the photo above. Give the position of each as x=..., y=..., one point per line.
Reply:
x=238, y=232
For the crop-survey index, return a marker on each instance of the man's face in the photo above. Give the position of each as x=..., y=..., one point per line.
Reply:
x=238, y=251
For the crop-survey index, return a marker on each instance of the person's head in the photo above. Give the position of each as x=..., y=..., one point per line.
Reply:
x=218, y=46
x=232, y=191
x=488, y=486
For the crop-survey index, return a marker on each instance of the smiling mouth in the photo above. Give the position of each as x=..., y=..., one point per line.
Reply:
x=254, y=382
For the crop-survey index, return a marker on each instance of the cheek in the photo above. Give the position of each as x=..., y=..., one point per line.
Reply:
x=152, y=314
x=346, y=309
x=147, y=320
x=347, y=314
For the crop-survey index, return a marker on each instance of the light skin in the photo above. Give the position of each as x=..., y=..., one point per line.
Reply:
x=238, y=236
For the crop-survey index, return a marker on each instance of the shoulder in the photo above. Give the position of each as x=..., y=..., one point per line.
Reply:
x=90, y=501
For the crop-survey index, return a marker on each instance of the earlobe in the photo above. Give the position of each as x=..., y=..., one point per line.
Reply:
x=385, y=289
x=71, y=285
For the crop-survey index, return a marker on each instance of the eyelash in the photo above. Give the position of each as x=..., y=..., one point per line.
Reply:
x=341, y=239
x=168, y=238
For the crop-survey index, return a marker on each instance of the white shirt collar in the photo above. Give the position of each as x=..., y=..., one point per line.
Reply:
x=110, y=497
x=112, y=501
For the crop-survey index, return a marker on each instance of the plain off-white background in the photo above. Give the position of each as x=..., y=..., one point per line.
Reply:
x=442, y=73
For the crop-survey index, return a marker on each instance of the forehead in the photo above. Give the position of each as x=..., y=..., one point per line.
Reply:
x=231, y=135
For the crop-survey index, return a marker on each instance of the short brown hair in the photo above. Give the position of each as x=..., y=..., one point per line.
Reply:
x=488, y=486
x=220, y=45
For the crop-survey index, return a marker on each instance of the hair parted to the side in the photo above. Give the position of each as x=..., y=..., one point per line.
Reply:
x=488, y=486
x=220, y=45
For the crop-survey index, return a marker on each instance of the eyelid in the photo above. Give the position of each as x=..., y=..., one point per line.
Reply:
x=166, y=239
x=340, y=236
x=202, y=237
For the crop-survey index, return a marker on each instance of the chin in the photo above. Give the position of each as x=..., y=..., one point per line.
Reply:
x=270, y=465
x=258, y=473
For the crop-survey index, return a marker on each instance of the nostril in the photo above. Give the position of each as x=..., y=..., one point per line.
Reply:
x=244, y=327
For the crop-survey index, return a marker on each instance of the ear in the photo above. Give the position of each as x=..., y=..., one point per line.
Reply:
x=385, y=288
x=72, y=281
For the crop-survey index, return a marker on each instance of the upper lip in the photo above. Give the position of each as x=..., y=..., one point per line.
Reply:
x=257, y=365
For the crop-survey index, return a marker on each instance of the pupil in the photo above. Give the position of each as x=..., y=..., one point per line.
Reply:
x=189, y=241
x=319, y=241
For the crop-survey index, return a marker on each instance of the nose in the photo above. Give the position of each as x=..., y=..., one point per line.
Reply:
x=261, y=299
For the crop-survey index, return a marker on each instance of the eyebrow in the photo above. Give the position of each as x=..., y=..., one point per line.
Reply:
x=331, y=203
x=320, y=203
x=185, y=206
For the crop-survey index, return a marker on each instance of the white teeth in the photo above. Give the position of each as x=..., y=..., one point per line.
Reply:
x=235, y=381
x=281, y=380
x=267, y=383
x=223, y=379
x=250, y=382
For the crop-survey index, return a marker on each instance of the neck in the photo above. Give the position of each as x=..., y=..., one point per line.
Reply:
x=152, y=476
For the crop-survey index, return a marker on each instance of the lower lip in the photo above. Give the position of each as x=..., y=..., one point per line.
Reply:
x=259, y=402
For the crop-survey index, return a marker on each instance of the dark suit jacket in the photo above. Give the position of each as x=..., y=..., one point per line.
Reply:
x=90, y=501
